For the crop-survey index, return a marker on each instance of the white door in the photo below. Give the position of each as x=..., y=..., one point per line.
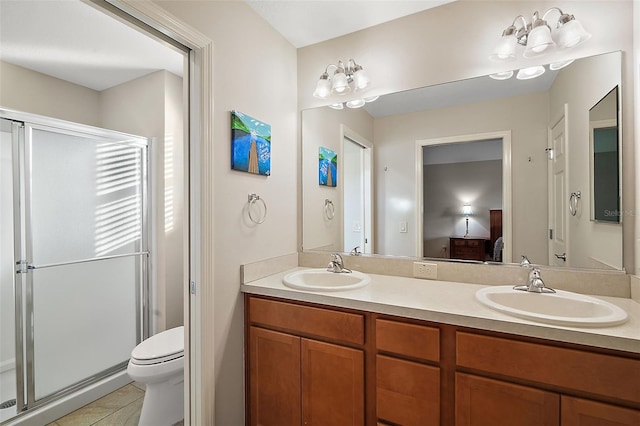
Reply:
x=357, y=197
x=558, y=197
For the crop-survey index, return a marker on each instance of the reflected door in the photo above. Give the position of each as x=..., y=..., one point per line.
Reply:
x=558, y=195
x=82, y=255
x=357, y=220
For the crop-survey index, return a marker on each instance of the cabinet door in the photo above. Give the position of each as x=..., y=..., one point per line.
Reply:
x=486, y=402
x=582, y=412
x=332, y=384
x=407, y=393
x=274, y=376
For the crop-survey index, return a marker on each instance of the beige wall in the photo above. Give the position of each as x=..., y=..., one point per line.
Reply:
x=254, y=71
x=151, y=106
x=29, y=91
x=453, y=42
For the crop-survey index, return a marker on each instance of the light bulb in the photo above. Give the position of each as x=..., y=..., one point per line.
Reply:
x=505, y=50
x=323, y=88
x=571, y=34
x=538, y=40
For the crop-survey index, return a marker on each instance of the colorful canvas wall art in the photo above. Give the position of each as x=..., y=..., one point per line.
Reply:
x=250, y=144
x=327, y=167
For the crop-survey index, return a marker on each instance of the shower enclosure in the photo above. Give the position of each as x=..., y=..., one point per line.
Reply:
x=73, y=257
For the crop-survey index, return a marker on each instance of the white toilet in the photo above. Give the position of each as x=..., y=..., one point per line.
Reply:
x=158, y=362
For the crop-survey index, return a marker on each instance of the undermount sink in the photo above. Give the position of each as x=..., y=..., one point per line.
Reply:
x=561, y=307
x=323, y=280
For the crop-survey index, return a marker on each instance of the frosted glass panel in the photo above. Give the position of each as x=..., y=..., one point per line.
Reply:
x=84, y=320
x=7, y=308
x=86, y=197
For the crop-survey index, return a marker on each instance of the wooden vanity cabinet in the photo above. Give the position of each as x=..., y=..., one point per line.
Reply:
x=311, y=365
x=295, y=376
x=407, y=374
x=541, y=384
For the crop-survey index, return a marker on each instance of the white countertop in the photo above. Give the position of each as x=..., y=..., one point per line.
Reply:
x=454, y=303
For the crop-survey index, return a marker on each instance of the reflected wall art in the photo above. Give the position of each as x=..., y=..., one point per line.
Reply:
x=250, y=144
x=327, y=167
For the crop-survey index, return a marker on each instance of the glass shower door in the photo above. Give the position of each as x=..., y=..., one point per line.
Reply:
x=83, y=255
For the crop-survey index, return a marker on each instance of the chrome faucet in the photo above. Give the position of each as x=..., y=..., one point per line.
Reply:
x=356, y=251
x=337, y=265
x=535, y=284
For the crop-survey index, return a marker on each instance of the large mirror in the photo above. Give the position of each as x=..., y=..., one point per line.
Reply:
x=480, y=169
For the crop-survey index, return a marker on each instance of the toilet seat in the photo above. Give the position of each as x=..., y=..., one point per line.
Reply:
x=162, y=347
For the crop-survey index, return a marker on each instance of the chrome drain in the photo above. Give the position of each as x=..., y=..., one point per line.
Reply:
x=7, y=404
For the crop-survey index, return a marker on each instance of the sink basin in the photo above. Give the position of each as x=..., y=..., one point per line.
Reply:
x=562, y=307
x=323, y=280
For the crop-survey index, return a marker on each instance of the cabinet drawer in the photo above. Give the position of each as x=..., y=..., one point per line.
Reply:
x=334, y=325
x=608, y=375
x=411, y=340
x=407, y=393
x=580, y=412
x=486, y=402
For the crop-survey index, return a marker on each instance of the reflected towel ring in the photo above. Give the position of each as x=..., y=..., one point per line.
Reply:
x=329, y=209
x=253, y=199
x=573, y=202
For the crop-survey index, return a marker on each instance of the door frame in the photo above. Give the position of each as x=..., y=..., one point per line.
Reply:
x=199, y=285
x=507, y=225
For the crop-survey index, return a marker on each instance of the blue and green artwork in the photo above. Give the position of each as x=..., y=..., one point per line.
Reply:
x=328, y=167
x=250, y=144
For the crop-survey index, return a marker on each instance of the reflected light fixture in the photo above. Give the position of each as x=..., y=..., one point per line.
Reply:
x=466, y=210
x=530, y=72
x=537, y=37
x=505, y=75
x=345, y=79
x=355, y=103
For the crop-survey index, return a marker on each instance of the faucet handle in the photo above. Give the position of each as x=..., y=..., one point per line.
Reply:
x=525, y=263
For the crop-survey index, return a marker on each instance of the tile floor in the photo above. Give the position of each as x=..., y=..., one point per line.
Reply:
x=119, y=408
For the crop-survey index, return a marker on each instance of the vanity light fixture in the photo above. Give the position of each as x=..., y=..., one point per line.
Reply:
x=536, y=36
x=345, y=79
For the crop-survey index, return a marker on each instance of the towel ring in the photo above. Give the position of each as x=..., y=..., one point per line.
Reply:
x=329, y=209
x=573, y=202
x=253, y=199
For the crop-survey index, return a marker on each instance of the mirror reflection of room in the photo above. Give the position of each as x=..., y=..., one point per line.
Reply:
x=542, y=119
x=462, y=199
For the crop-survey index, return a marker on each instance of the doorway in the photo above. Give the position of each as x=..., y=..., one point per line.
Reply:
x=357, y=193
x=457, y=223
x=197, y=98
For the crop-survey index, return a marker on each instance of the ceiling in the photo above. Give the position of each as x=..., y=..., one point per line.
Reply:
x=306, y=22
x=73, y=41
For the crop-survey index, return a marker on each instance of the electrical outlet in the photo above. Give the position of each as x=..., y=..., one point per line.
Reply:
x=425, y=270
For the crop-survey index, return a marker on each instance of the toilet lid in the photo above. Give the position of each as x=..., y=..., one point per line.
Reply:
x=166, y=345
